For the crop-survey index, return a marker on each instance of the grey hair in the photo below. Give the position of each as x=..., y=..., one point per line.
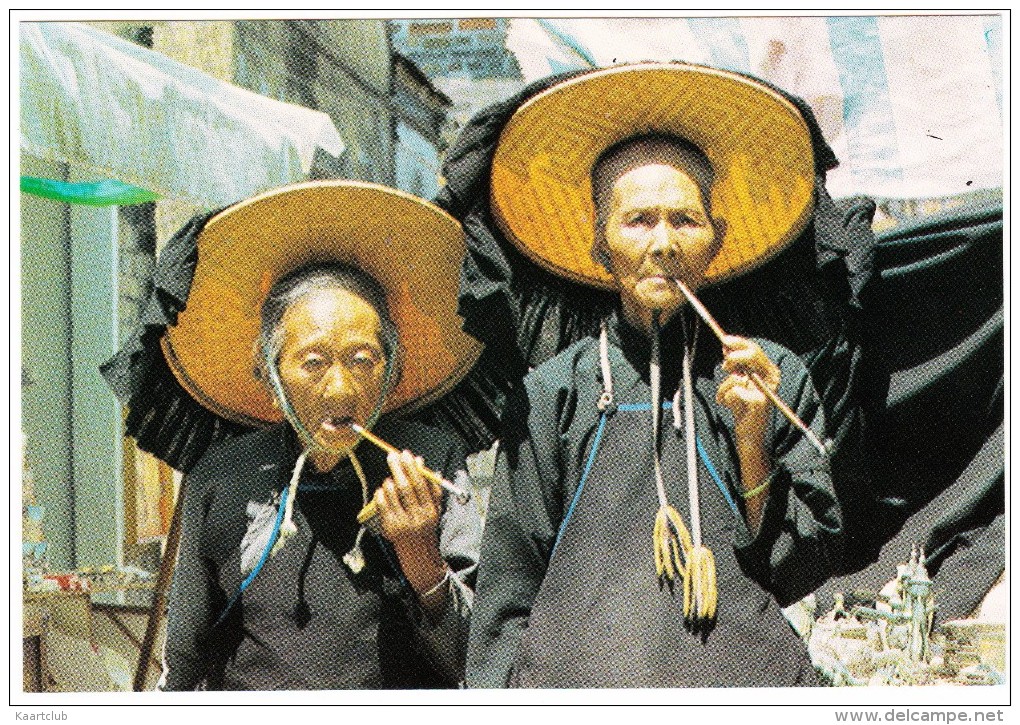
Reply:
x=295, y=286
x=635, y=151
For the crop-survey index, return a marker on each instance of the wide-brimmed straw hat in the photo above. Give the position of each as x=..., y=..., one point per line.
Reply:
x=411, y=247
x=756, y=140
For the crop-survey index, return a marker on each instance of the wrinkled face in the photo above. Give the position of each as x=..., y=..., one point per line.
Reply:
x=332, y=364
x=657, y=229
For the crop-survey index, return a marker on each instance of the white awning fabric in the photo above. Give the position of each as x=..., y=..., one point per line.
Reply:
x=116, y=109
x=911, y=104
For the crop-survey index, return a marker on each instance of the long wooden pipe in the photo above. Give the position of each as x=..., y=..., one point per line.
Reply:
x=369, y=511
x=823, y=448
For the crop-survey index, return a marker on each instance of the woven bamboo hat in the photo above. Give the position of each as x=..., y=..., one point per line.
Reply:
x=756, y=140
x=411, y=247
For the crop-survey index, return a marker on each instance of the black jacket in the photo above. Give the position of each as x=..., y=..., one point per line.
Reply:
x=306, y=621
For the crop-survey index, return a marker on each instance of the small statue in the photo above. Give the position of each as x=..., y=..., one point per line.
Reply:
x=919, y=606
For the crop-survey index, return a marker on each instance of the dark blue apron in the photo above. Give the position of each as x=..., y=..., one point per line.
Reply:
x=303, y=621
x=602, y=618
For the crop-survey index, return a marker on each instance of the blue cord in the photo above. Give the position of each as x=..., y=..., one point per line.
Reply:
x=303, y=432
x=701, y=452
x=638, y=407
x=628, y=408
x=258, y=567
x=580, y=486
x=715, y=477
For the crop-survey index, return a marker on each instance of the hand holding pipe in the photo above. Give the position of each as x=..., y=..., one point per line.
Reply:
x=370, y=509
x=823, y=448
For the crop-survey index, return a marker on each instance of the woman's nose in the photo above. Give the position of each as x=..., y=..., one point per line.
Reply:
x=661, y=246
x=336, y=383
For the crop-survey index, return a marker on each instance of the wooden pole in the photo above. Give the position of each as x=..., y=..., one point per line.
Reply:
x=159, y=594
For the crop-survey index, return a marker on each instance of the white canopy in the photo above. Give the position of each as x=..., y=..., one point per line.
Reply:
x=911, y=104
x=98, y=102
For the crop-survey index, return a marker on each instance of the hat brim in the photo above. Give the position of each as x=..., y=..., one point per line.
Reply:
x=411, y=247
x=756, y=140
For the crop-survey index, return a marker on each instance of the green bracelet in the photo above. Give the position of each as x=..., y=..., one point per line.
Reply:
x=761, y=488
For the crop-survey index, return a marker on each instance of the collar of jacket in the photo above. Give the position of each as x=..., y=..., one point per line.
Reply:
x=637, y=347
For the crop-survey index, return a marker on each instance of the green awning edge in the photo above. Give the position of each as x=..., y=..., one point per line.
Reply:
x=108, y=192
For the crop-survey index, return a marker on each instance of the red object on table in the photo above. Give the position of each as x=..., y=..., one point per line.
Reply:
x=68, y=582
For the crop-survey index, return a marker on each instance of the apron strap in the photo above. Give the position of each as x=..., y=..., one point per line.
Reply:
x=713, y=472
x=607, y=406
x=584, y=477
x=703, y=454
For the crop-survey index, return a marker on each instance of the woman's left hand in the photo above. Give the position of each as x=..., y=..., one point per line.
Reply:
x=749, y=405
x=410, y=507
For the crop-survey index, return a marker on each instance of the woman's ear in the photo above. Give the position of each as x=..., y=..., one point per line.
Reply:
x=600, y=249
x=719, y=224
x=262, y=375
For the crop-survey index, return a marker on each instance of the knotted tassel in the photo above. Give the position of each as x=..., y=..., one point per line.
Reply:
x=671, y=544
x=671, y=541
x=700, y=592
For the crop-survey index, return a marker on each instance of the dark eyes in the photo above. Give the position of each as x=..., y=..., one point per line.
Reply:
x=677, y=220
x=362, y=361
x=643, y=219
x=313, y=363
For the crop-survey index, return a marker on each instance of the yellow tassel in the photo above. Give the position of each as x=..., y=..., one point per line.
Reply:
x=701, y=597
x=676, y=556
x=713, y=591
x=671, y=543
x=660, y=564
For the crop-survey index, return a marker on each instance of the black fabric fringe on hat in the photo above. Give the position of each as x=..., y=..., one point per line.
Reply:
x=807, y=298
x=544, y=314
x=162, y=417
x=874, y=322
x=781, y=300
